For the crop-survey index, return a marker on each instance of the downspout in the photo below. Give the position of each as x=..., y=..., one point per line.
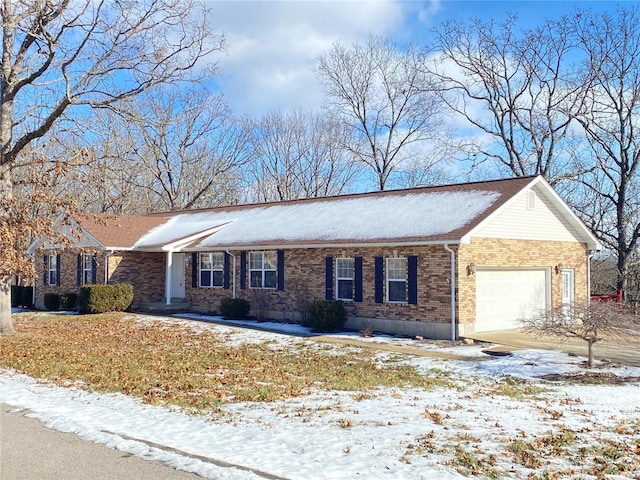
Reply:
x=453, y=290
x=34, y=280
x=169, y=278
x=591, y=253
x=233, y=285
x=106, y=266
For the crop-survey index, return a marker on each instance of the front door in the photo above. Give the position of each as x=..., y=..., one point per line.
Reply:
x=567, y=295
x=177, y=277
x=567, y=287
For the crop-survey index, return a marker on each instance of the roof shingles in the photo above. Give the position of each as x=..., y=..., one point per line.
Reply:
x=428, y=214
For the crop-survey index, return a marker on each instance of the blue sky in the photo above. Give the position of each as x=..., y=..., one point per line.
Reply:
x=273, y=45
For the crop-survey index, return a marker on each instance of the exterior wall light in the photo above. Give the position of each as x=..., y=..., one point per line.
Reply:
x=471, y=269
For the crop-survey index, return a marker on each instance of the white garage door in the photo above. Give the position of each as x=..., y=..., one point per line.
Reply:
x=503, y=297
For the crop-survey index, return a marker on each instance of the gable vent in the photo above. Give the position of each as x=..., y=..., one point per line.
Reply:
x=531, y=200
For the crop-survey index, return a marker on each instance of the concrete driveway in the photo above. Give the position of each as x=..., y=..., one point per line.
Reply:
x=618, y=351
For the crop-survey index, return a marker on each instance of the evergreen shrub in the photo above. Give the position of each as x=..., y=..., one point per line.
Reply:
x=51, y=301
x=234, y=308
x=105, y=298
x=69, y=300
x=326, y=315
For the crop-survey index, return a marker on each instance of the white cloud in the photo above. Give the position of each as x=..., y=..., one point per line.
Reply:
x=429, y=10
x=273, y=46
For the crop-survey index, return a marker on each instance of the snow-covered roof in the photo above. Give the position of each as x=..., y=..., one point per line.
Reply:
x=351, y=219
x=423, y=215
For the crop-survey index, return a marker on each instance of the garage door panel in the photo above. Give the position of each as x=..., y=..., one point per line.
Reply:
x=504, y=297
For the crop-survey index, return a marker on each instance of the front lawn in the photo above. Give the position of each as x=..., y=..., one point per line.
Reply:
x=300, y=408
x=175, y=364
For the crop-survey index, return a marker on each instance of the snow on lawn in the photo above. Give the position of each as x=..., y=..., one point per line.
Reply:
x=483, y=423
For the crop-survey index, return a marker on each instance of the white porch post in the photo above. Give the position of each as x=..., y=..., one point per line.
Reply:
x=168, y=278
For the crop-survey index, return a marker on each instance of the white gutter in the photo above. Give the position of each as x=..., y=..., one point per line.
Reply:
x=233, y=288
x=34, y=280
x=290, y=246
x=453, y=290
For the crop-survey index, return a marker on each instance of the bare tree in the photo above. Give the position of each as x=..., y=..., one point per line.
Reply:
x=59, y=54
x=610, y=119
x=298, y=155
x=589, y=321
x=100, y=180
x=179, y=148
x=385, y=97
x=514, y=86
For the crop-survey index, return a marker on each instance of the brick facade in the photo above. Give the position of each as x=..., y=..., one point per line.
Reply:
x=144, y=270
x=305, y=280
x=68, y=279
x=504, y=253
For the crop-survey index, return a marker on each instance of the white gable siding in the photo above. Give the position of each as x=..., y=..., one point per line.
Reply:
x=521, y=222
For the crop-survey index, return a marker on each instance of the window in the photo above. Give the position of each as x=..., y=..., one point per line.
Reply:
x=52, y=270
x=212, y=269
x=87, y=269
x=263, y=269
x=344, y=278
x=397, y=280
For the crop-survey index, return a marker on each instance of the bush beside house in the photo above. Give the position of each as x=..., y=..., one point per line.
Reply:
x=234, y=308
x=326, y=316
x=105, y=298
x=68, y=301
x=51, y=301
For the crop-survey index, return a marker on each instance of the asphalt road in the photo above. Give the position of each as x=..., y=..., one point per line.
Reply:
x=29, y=451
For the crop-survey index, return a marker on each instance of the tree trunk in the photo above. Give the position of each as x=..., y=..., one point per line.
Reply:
x=591, y=358
x=6, y=323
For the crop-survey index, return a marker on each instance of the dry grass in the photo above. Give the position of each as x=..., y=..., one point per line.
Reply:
x=177, y=366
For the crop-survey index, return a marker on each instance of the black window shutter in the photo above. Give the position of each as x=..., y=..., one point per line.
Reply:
x=328, y=278
x=45, y=271
x=79, y=270
x=57, y=269
x=357, y=274
x=194, y=270
x=412, y=273
x=280, y=269
x=225, y=273
x=243, y=270
x=94, y=269
x=379, y=279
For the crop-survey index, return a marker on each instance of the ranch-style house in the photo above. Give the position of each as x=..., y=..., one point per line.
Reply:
x=440, y=262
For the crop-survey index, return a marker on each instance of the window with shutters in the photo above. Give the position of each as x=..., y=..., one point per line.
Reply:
x=87, y=268
x=397, y=280
x=263, y=269
x=52, y=270
x=344, y=278
x=212, y=269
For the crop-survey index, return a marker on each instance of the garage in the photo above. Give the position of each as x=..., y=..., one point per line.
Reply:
x=503, y=297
